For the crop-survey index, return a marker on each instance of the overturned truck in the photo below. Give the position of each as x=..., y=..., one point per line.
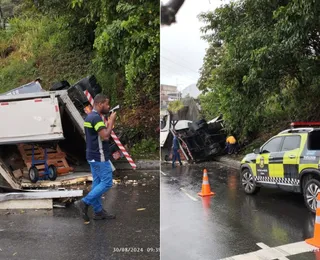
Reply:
x=199, y=140
x=42, y=134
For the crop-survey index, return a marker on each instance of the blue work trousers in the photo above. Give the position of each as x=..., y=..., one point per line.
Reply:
x=102, y=182
x=176, y=156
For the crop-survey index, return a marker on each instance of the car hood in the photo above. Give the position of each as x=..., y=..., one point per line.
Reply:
x=249, y=158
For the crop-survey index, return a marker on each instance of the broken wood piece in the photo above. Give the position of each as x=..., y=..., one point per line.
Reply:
x=17, y=174
x=8, y=177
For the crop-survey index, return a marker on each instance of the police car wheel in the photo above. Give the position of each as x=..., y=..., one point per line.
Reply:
x=310, y=192
x=248, y=182
x=33, y=174
x=52, y=172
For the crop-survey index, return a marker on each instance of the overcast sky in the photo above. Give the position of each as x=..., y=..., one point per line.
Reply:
x=182, y=50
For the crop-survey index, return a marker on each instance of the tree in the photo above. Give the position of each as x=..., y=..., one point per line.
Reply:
x=269, y=59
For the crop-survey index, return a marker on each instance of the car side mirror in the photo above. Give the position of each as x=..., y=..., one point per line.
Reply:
x=257, y=151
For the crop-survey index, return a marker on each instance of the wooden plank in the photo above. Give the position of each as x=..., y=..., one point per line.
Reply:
x=8, y=177
x=32, y=204
x=65, y=163
x=64, y=170
x=40, y=195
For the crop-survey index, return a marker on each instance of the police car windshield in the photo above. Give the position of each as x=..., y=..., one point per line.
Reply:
x=314, y=140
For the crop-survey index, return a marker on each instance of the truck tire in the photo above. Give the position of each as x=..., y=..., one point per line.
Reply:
x=52, y=172
x=248, y=183
x=90, y=83
x=310, y=191
x=60, y=85
x=33, y=174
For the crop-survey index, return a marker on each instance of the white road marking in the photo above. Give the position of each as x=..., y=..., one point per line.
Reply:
x=272, y=253
x=191, y=197
x=264, y=246
x=163, y=173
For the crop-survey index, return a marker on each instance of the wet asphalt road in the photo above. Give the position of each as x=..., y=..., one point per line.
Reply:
x=61, y=234
x=231, y=222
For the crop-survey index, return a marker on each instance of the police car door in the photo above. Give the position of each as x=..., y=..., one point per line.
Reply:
x=290, y=165
x=265, y=160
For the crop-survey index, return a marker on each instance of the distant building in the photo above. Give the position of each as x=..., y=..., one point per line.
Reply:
x=168, y=93
x=191, y=91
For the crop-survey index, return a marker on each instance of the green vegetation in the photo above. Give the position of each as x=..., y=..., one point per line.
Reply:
x=147, y=148
x=175, y=106
x=261, y=70
x=117, y=41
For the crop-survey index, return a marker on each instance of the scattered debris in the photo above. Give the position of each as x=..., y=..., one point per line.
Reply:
x=141, y=209
x=58, y=206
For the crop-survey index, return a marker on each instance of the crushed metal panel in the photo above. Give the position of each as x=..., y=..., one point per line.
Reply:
x=163, y=137
x=31, y=204
x=40, y=195
x=31, y=87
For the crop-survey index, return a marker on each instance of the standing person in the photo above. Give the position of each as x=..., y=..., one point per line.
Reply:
x=175, y=148
x=98, y=155
x=231, y=144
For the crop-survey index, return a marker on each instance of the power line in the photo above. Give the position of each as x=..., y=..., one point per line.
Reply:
x=177, y=64
x=174, y=54
x=170, y=73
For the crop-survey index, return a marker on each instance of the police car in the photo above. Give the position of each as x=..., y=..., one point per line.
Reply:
x=289, y=161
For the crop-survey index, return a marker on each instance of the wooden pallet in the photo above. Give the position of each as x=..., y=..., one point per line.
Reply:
x=55, y=157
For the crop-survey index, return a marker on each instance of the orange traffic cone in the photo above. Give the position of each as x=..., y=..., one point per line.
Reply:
x=206, y=202
x=315, y=241
x=205, y=191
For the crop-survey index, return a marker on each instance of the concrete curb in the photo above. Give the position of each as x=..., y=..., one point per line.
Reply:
x=141, y=165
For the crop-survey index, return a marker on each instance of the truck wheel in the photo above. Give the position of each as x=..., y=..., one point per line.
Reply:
x=248, y=183
x=310, y=192
x=33, y=174
x=52, y=172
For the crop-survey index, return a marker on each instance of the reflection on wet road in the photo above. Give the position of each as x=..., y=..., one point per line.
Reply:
x=230, y=222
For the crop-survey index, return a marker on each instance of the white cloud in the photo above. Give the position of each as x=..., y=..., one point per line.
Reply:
x=182, y=49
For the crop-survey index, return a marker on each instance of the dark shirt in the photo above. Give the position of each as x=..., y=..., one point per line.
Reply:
x=175, y=143
x=97, y=149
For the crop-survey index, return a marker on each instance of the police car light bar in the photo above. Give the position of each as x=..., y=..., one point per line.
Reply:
x=304, y=124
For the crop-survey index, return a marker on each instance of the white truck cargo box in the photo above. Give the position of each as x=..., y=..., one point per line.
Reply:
x=30, y=120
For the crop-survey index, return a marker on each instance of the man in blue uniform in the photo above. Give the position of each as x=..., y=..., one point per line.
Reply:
x=175, y=148
x=98, y=155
